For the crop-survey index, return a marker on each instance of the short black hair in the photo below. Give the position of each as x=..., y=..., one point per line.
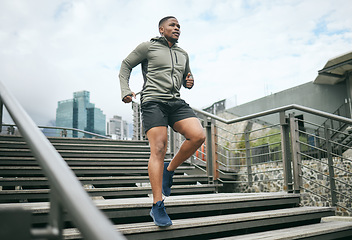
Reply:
x=164, y=19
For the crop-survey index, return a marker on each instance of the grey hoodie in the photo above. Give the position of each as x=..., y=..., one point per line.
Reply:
x=164, y=70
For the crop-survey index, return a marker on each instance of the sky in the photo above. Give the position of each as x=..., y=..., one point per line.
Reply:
x=240, y=50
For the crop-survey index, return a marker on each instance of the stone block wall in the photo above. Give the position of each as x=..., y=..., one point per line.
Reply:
x=263, y=175
x=318, y=181
x=268, y=177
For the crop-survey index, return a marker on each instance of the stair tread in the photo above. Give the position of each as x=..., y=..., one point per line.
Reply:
x=108, y=189
x=70, y=139
x=95, y=167
x=182, y=200
x=79, y=159
x=99, y=178
x=296, y=232
x=81, y=144
x=215, y=220
x=77, y=151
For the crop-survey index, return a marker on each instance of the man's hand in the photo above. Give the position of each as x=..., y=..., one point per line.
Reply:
x=128, y=98
x=189, y=81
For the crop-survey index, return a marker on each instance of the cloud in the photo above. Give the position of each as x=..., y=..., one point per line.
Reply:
x=50, y=49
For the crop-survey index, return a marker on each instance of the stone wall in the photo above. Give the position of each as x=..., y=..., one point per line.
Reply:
x=319, y=183
x=268, y=177
x=263, y=176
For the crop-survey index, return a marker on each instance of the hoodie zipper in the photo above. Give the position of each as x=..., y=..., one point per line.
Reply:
x=172, y=72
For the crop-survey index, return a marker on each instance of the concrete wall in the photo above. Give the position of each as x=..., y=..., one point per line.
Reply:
x=326, y=98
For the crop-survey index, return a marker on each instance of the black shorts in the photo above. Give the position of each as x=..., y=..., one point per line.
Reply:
x=164, y=113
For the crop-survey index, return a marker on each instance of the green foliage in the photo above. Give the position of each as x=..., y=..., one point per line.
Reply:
x=242, y=143
x=267, y=139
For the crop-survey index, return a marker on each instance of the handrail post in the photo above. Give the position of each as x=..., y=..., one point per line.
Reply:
x=248, y=153
x=209, y=150
x=172, y=143
x=137, y=123
x=56, y=221
x=330, y=165
x=286, y=157
x=215, y=156
x=54, y=229
x=1, y=113
x=296, y=156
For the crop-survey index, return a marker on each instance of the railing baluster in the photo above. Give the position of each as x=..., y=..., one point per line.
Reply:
x=172, y=144
x=331, y=165
x=296, y=157
x=209, y=150
x=215, y=152
x=286, y=157
x=56, y=220
x=1, y=113
x=248, y=153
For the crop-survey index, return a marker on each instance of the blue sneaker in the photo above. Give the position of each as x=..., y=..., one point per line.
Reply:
x=159, y=215
x=167, y=180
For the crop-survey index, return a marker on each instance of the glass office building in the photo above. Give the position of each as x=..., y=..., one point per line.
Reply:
x=118, y=128
x=81, y=114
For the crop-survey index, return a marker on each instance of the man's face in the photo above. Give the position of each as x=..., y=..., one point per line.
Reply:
x=171, y=30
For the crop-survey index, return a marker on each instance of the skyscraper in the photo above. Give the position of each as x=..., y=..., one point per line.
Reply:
x=118, y=128
x=81, y=114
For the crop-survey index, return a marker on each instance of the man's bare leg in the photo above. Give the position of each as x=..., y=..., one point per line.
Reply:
x=193, y=131
x=157, y=137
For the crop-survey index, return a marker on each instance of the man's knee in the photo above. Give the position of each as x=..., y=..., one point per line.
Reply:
x=199, y=138
x=159, y=148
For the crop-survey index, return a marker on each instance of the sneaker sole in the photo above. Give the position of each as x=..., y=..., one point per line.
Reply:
x=159, y=224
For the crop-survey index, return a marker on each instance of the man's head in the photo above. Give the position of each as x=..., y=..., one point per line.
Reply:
x=169, y=28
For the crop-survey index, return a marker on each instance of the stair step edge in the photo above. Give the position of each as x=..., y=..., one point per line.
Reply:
x=138, y=228
x=305, y=231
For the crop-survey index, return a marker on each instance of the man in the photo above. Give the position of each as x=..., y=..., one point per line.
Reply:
x=165, y=68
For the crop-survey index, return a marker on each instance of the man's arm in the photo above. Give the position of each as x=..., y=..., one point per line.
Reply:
x=188, y=80
x=132, y=60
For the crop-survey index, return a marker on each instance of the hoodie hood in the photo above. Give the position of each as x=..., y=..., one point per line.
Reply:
x=161, y=39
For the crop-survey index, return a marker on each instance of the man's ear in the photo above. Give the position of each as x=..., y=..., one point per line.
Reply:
x=161, y=30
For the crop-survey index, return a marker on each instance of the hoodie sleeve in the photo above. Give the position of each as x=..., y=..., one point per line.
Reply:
x=187, y=70
x=132, y=60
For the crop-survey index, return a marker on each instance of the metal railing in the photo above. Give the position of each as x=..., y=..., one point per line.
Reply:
x=63, y=133
x=66, y=192
x=286, y=158
x=250, y=155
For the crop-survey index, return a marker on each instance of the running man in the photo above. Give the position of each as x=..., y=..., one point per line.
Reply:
x=165, y=68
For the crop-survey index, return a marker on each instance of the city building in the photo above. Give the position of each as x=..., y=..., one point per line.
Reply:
x=330, y=92
x=118, y=128
x=79, y=113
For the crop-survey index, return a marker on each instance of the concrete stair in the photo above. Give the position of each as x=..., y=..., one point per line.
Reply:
x=107, y=168
x=212, y=216
x=114, y=173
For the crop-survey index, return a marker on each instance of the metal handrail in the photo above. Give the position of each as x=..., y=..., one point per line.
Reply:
x=68, y=190
x=291, y=157
x=64, y=128
x=292, y=161
x=277, y=110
